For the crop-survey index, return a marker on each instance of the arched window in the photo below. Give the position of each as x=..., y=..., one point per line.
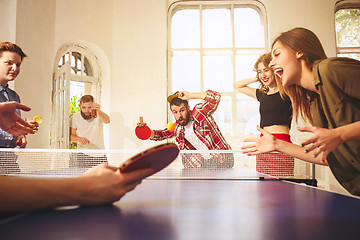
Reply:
x=76, y=73
x=211, y=45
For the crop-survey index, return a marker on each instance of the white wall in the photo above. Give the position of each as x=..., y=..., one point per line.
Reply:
x=8, y=23
x=317, y=15
x=139, y=72
x=7, y=20
x=35, y=35
x=89, y=23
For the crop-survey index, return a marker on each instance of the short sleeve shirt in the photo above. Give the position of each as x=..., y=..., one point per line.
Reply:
x=92, y=129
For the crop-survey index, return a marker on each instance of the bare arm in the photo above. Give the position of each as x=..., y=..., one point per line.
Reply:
x=242, y=86
x=299, y=152
x=326, y=140
x=74, y=138
x=103, y=116
x=269, y=143
x=187, y=95
x=349, y=132
x=100, y=185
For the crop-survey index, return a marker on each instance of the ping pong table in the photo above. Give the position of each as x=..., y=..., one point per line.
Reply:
x=200, y=204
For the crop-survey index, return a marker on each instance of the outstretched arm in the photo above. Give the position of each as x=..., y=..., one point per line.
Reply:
x=100, y=185
x=268, y=143
x=11, y=122
x=158, y=135
x=326, y=140
x=187, y=95
x=242, y=86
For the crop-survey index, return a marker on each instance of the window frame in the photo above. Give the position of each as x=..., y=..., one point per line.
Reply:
x=346, y=4
x=60, y=117
x=233, y=95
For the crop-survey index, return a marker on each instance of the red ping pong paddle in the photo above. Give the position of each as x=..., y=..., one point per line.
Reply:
x=157, y=158
x=142, y=132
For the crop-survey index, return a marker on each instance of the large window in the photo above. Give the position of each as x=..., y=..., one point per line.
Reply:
x=347, y=26
x=211, y=45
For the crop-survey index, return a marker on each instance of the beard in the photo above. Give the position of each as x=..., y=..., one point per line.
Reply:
x=183, y=122
x=86, y=117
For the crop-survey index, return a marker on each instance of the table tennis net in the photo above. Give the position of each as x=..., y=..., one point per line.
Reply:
x=190, y=164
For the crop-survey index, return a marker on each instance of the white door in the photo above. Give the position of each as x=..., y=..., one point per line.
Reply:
x=60, y=108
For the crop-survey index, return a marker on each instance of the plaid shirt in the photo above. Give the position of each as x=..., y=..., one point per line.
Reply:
x=205, y=129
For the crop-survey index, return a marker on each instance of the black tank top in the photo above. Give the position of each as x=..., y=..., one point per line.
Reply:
x=273, y=109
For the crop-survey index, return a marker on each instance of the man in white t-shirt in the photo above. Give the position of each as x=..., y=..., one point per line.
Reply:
x=86, y=127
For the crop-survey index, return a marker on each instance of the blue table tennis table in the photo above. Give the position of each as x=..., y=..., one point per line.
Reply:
x=200, y=205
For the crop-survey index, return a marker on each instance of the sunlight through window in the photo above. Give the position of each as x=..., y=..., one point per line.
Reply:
x=212, y=45
x=347, y=27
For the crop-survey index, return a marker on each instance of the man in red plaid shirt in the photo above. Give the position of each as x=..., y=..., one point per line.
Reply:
x=197, y=130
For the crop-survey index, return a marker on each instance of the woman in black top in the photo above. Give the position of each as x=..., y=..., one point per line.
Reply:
x=325, y=92
x=275, y=116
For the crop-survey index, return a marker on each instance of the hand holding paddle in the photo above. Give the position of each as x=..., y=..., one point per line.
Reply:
x=142, y=131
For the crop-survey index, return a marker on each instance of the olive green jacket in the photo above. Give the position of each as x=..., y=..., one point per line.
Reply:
x=338, y=104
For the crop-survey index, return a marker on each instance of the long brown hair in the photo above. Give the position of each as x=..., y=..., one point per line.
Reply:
x=304, y=41
x=265, y=59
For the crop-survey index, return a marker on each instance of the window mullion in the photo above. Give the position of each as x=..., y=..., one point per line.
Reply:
x=82, y=65
x=233, y=94
x=239, y=54
x=348, y=50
